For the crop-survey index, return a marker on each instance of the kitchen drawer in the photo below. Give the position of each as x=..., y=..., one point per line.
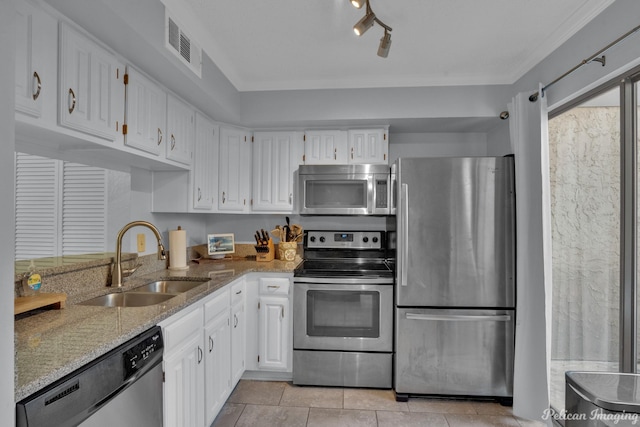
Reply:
x=175, y=333
x=274, y=286
x=219, y=304
x=237, y=292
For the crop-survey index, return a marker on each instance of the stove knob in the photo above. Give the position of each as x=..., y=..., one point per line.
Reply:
x=322, y=239
x=375, y=240
x=312, y=238
x=365, y=239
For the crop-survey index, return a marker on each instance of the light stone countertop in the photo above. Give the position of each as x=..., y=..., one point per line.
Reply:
x=54, y=343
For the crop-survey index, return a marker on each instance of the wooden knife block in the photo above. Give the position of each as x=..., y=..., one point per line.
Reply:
x=267, y=255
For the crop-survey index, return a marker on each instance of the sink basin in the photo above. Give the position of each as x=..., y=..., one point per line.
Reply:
x=169, y=286
x=128, y=299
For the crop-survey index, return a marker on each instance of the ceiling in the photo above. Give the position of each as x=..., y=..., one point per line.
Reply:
x=309, y=44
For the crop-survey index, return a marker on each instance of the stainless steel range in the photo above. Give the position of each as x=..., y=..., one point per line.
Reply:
x=343, y=311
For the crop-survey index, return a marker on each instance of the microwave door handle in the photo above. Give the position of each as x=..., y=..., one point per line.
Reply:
x=403, y=212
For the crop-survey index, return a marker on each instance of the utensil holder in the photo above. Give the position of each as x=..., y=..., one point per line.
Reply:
x=266, y=252
x=287, y=250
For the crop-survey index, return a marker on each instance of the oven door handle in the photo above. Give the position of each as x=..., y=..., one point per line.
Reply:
x=369, y=280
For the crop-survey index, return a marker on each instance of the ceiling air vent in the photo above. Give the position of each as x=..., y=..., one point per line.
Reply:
x=178, y=42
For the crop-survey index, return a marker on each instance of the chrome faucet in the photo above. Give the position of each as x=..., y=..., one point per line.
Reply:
x=116, y=274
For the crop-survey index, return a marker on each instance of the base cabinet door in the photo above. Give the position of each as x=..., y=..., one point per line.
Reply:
x=217, y=338
x=273, y=336
x=184, y=385
x=238, y=332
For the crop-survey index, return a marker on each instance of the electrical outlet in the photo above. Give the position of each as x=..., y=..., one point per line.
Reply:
x=141, y=243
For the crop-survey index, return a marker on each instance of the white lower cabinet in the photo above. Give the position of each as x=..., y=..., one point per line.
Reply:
x=274, y=333
x=184, y=371
x=198, y=352
x=238, y=331
x=269, y=336
x=217, y=337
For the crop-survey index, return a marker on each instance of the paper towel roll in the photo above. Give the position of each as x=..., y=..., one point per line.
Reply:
x=178, y=249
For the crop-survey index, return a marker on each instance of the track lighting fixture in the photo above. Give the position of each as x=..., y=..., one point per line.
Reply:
x=367, y=22
x=385, y=45
x=364, y=24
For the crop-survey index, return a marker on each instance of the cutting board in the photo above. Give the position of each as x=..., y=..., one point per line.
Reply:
x=24, y=304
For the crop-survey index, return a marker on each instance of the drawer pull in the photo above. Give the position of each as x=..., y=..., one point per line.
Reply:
x=159, y=136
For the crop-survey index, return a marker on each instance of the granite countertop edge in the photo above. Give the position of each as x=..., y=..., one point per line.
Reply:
x=80, y=334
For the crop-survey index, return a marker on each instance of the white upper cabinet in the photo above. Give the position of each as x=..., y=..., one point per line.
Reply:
x=368, y=146
x=91, y=92
x=145, y=113
x=234, y=170
x=180, y=130
x=35, y=72
x=204, y=174
x=276, y=156
x=322, y=147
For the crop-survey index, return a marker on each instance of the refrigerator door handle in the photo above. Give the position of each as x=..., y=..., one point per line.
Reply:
x=404, y=238
x=459, y=318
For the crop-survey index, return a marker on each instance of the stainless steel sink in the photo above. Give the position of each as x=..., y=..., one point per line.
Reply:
x=128, y=299
x=169, y=286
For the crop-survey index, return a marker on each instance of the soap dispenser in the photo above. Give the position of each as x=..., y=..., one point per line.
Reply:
x=31, y=281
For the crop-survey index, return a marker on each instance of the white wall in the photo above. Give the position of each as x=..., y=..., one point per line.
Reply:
x=436, y=145
x=7, y=214
x=141, y=199
x=612, y=23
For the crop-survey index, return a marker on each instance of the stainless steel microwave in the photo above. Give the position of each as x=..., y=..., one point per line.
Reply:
x=344, y=190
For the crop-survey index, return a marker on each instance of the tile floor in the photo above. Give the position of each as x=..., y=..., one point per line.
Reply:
x=272, y=404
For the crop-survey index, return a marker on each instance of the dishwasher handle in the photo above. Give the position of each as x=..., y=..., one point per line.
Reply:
x=460, y=317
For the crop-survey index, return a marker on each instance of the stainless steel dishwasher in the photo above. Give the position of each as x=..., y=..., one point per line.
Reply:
x=120, y=388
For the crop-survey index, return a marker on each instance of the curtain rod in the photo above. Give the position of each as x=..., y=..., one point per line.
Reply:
x=594, y=57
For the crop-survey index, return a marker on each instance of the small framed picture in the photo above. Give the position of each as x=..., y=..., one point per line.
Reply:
x=220, y=244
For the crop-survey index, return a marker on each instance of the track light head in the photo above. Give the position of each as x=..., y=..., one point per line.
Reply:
x=358, y=3
x=385, y=45
x=364, y=24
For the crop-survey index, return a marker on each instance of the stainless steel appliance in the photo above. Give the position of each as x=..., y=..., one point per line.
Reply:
x=455, y=287
x=344, y=190
x=599, y=399
x=120, y=388
x=343, y=311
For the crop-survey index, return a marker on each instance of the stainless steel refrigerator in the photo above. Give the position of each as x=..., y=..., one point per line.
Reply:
x=455, y=287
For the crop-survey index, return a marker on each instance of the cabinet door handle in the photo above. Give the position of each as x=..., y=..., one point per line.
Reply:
x=282, y=311
x=173, y=142
x=273, y=286
x=290, y=198
x=72, y=98
x=199, y=194
x=200, y=354
x=351, y=153
x=36, y=79
x=159, y=136
x=210, y=344
x=235, y=320
x=239, y=292
x=223, y=197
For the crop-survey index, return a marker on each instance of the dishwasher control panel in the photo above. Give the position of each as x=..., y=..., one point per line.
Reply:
x=138, y=356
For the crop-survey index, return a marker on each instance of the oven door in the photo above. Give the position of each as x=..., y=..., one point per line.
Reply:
x=342, y=316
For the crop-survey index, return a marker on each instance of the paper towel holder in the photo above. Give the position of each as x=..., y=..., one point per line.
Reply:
x=218, y=245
